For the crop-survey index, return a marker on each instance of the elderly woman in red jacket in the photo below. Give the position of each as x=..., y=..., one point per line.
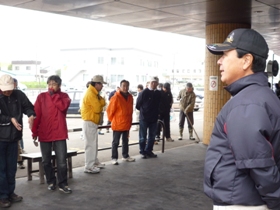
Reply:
x=119, y=113
x=51, y=129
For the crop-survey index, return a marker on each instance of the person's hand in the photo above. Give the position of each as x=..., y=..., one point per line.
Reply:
x=35, y=141
x=30, y=121
x=16, y=124
x=51, y=91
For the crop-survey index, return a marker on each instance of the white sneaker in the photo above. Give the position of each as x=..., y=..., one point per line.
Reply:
x=93, y=170
x=100, y=165
x=115, y=162
x=169, y=139
x=135, y=129
x=128, y=159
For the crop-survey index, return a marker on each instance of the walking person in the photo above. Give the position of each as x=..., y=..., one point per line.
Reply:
x=91, y=110
x=187, y=101
x=119, y=113
x=242, y=163
x=148, y=104
x=50, y=128
x=13, y=104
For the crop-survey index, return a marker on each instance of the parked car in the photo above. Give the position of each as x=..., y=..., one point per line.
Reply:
x=199, y=102
x=22, y=87
x=75, y=96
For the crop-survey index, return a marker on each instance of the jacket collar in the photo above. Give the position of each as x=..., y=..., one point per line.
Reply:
x=259, y=78
x=92, y=89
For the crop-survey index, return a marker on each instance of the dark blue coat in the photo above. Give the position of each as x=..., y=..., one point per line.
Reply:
x=243, y=159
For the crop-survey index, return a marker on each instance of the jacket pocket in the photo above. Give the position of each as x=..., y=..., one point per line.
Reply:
x=210, y=166
x=5, y=132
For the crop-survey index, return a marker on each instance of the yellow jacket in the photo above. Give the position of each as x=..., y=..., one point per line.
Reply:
x=92, y=105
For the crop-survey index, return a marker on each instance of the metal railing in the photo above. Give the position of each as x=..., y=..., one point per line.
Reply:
x=135, y=123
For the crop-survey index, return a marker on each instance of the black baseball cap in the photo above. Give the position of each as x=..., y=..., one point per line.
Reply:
x=243, y=39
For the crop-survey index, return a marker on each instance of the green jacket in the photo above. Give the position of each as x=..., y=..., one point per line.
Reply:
x=187, y=100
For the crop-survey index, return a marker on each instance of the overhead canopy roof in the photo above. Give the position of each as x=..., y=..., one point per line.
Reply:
x=186, y=17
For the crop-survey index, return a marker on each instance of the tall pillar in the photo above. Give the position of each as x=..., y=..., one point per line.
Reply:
x=215, y=99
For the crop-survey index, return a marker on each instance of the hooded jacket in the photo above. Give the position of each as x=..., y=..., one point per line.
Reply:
x=187, y=101
x=120, y=112
x=50, y=122
x=92, y=105
x=15, y=106
x=243, y=159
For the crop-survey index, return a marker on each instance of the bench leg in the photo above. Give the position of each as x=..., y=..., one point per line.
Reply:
x=41, y=173
x=29, y=169
x=70, y=167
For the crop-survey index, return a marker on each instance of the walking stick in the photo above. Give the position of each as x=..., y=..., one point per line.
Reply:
x=193, y=129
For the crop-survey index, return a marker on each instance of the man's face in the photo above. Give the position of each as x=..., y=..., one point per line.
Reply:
x=189, y=89
x=7, y=92
x=231, y=67
x=124, y=87
x=53, y=85
x=98, y=86
x=154, y=85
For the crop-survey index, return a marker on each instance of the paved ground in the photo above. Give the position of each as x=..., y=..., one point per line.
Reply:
x=171, y=181
x=174, y=180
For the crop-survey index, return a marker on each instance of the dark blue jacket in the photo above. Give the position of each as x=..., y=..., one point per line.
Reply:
x=243, y=159
x=148, y=104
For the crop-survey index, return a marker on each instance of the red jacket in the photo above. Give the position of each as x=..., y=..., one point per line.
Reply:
x=119, y=112
x=50, y=122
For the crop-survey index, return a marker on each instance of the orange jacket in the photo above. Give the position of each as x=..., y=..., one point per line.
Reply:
x=119, y=112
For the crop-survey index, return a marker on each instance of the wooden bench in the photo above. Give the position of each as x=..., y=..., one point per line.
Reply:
x=37, y=157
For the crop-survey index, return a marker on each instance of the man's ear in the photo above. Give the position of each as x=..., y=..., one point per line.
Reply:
x=248, y=61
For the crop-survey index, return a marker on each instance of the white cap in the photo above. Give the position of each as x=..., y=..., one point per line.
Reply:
x=6, y=82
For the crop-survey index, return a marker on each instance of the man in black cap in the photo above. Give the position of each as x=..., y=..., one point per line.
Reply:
x=242, y=164
x=187, y=101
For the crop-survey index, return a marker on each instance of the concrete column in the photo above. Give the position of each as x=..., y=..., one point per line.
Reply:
x=214, y=100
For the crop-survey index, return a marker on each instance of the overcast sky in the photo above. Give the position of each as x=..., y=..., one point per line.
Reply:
x=32, y=35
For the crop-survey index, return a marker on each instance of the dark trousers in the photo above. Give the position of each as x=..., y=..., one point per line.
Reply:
x=116, y=141
x=182, y=117
x=166, y=119
x=146, y=146
x=60, y=149
x=8, y=168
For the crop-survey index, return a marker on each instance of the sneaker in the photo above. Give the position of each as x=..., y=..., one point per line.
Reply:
x=151, y=155
x=156, y=142
x=135, y=129
x=169, y=139
x=115, y=162
x=5, y=203
x=180, y=138
x=107, y=131
x=65, y=189
x=93, y=170
x=100, y=133
x=21, y=166
x=15, y=198
x=51, y=187
x=157, y=138
x=99, y=165
x=128, y=159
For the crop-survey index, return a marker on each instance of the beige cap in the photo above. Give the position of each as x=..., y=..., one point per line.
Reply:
x=154, y=79
x=6, y=82
x=98, y=78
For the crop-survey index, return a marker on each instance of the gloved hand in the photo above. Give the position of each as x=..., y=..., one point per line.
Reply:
x=51, y=91
x=35, y=141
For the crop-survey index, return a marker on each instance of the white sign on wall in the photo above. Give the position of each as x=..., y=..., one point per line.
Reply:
x=213, y=83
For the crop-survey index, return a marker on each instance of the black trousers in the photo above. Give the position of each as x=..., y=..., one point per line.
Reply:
x=182, y=117
x=116, y=141
x=166, y=119
x=60, y=149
